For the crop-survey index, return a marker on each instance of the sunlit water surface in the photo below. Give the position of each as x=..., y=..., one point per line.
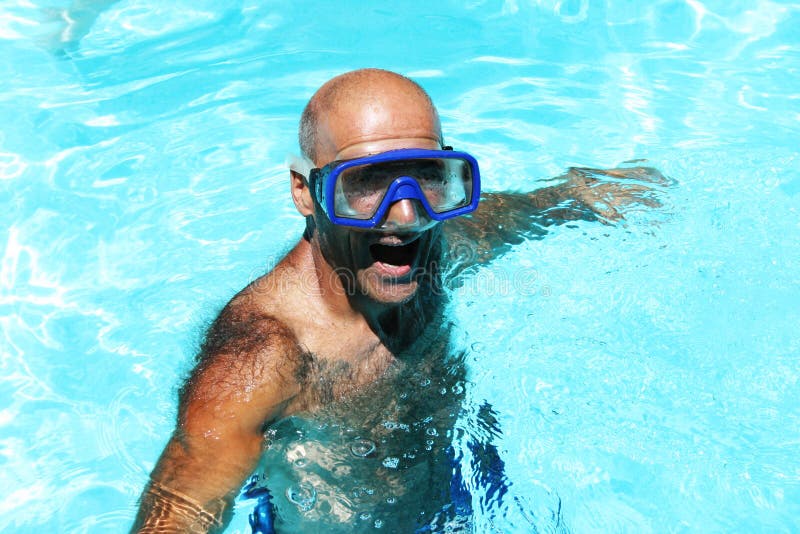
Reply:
x=644, y=375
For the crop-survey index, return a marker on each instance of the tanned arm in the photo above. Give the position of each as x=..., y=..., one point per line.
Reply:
x=244, y=379
x=506, y=219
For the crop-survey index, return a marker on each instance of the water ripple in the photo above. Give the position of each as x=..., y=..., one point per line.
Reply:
x=142, y=163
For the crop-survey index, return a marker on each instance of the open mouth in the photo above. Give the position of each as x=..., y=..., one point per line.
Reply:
x=395, y=254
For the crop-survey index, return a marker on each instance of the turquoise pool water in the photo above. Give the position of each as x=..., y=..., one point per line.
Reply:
x=645, y=376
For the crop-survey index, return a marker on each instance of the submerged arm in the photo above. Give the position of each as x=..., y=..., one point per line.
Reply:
x=508, y=218
x=243, y=380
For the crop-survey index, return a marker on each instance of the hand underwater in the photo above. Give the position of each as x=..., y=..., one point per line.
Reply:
x=610, y=193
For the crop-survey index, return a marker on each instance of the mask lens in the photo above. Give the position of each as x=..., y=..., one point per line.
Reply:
x=445, y=182
x=361, y=188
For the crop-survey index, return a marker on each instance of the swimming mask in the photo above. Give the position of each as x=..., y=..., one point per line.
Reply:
x=359, y=192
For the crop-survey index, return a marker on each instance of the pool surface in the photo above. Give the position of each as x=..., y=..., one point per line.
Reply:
x=643, y=374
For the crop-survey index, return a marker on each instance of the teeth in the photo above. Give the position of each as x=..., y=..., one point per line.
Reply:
x=395, y=240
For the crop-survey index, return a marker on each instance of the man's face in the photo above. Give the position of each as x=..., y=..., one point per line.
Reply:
x=385, y=264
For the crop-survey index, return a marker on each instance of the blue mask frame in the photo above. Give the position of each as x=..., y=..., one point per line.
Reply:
x=323, y=184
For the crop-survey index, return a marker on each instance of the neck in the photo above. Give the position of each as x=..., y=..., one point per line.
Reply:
x=329, y=286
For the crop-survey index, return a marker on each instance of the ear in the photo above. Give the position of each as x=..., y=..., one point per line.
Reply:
x=301, y=194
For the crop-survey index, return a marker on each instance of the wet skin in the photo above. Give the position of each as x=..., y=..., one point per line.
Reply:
x=344, y=309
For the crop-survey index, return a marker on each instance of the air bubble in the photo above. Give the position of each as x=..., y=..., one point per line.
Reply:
x=378, y=523
x=391, y=462
x=362, y=448
x=304, y=496
x=431, y=432
x=300, y=462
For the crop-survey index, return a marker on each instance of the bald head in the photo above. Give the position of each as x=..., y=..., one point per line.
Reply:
x=363, y=106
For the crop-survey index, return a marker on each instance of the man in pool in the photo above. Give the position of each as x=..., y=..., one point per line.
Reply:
x=358, y=298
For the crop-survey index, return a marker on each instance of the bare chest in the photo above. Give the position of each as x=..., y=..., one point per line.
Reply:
x=337, y=365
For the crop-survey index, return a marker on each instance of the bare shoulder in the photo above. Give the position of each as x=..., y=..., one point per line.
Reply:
x=248, y=362
x=251, y=355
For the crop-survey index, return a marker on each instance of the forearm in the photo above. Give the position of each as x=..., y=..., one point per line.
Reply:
x=163, y=510
x=194, y=483
x=507, y=218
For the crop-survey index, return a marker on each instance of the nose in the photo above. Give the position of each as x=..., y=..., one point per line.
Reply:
x=407, y=215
